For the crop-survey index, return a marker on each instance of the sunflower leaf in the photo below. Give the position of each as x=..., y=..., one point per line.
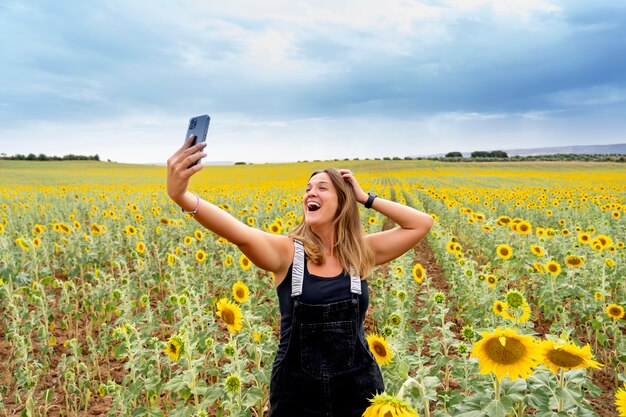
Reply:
x=472, y=407
x=499, y=408
x=514, y=390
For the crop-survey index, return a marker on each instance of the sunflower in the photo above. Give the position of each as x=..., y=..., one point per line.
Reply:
x=514, y=298
x=553, y=268
x=506, y=353
x=230, y=313
x=504, y=251
x=538, y=267
x=187, y=240
x=523, y=227
x=584, y=238
x=36, y=242
x=232, y=384
x=244, y=262
x=200, y=256
x=574, y=261
x=502, y=309
x=140, y=247
x=610, y=262
x=22, y=244
x=130, y=230
x=1, y=228
x=198, y=235
x=395, y=319
x=384, y=405
x=275, y=228
x=174, y=347
x=615, y=311
x=450, y=246
x=566, y=356
x=241, y=293
x=38, y=229
x=171, y=259
x=380, y=349
x=418, y=273
x=228, y=261
x=604, y=240
x=503, y=220
x=371, y=220
x=620, y=401
x=536, y=250
x=491, y=280
x=598, y=296
x=250, y=221
x=616, y=214
x=486, y=228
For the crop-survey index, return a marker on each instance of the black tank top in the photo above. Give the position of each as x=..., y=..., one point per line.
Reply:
x=315, y=290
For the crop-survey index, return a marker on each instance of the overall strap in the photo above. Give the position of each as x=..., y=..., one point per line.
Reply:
x=297, y=270
x=355, y=282
x=297, y=273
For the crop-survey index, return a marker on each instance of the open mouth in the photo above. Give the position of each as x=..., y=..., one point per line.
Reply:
x=313, y=205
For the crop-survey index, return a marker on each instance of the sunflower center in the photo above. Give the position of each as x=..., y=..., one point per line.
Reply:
x=240, y=292
x=552, y=268
x=509, y=352
x=564, y=359
x=173, y=348
x=228, y=316
x=615, y=311
x=504, y=251
x=380, y=350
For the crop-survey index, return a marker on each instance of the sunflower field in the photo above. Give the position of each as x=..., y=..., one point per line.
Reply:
x=114, y=303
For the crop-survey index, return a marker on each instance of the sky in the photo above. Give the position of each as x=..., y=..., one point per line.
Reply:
x=301, y=80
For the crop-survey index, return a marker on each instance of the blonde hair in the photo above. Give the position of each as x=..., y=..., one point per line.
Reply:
x=349, y=246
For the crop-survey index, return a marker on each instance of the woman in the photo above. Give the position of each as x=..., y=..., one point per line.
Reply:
x=323, y=366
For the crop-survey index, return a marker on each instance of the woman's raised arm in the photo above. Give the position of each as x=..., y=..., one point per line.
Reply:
x=412, y=224
x=267, y=251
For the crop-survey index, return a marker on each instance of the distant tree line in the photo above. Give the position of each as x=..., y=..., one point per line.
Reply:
x=42, y=157
x=479, y=156
x=482, y=156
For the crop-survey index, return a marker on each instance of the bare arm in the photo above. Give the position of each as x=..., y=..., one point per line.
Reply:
x=267, y=251
x=412, y=225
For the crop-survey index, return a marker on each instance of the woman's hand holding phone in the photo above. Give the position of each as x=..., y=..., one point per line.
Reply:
x=180, y=167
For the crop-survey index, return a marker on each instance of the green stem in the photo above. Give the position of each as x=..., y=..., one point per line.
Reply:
x=561, y=381
x=420, y=387
x=497, y=389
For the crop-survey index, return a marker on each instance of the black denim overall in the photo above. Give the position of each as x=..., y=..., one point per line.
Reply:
x=328, y=369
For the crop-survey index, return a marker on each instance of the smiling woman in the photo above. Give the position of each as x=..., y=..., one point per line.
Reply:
x=324, y=365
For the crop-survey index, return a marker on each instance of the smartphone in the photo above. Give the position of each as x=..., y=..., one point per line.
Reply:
x=198, y=126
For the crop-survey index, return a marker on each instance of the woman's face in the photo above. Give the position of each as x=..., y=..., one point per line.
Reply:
x=320, y=200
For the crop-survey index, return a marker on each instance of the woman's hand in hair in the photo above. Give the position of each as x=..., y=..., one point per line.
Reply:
x=360, y=195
